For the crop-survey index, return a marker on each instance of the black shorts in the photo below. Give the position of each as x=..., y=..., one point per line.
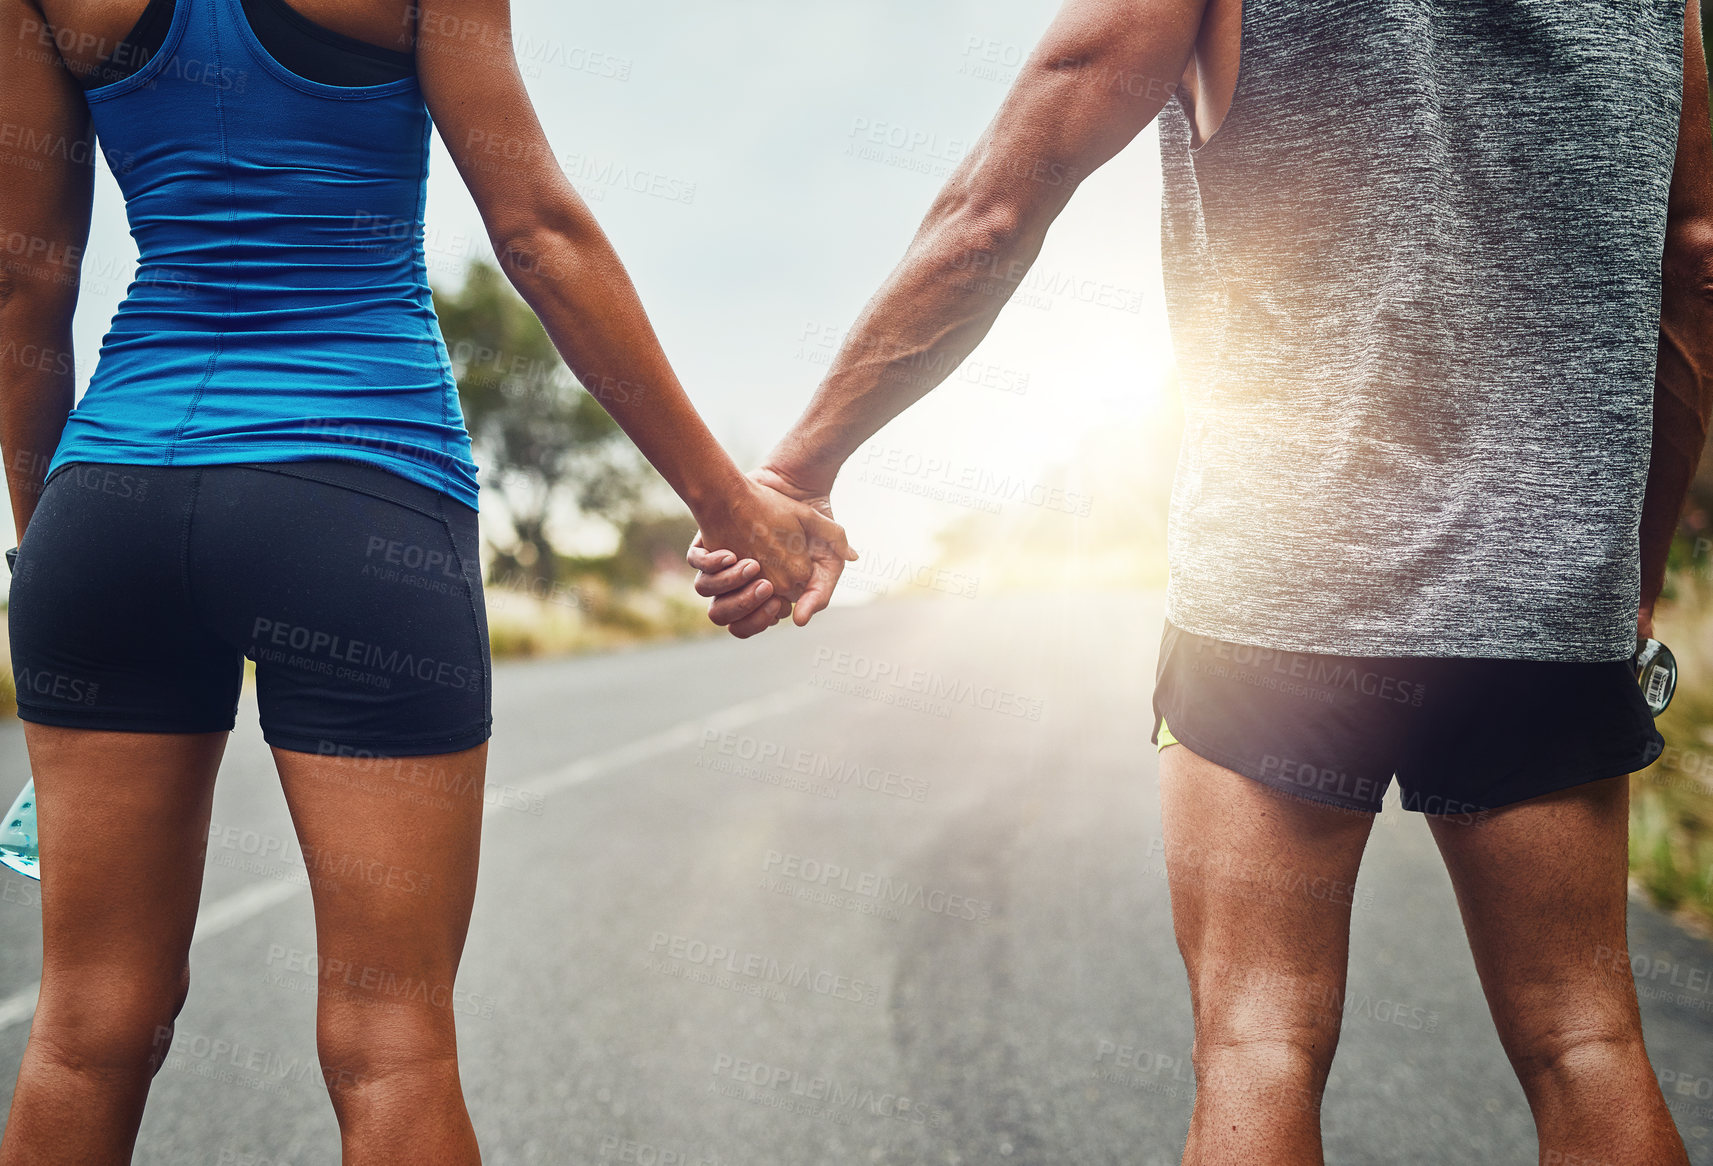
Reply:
x=1462, y=736
x=139, y=591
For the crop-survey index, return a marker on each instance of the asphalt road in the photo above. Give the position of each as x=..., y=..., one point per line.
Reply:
x=661, y=971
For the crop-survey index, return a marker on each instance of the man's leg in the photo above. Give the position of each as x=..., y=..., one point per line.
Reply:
x=1541, y=885
x=1266, y=962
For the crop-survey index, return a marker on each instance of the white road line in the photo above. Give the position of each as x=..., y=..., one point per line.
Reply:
x=19, y=1006
x=225, y=914
x=679, y=735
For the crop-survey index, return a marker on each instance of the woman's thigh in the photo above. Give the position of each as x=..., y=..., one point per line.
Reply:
x=390, y=846
x=123, y=826
x=127, y=702
x=359, y=596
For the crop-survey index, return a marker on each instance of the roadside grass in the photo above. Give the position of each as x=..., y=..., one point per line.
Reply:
x=1671, y=802
x=592, y=618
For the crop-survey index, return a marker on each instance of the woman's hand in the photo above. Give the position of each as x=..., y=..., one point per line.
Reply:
x=748, y=598
x=776, y=545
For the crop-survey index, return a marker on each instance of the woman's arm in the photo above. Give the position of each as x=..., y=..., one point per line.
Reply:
x=556, y=255
x=47, y=181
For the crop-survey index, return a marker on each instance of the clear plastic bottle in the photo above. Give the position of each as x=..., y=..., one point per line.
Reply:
x=18, y=835
x=1656, y=672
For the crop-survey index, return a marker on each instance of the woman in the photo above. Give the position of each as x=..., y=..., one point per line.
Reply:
x=268, y=460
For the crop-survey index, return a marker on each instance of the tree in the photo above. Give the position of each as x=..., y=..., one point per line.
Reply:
x=537, y=433
x=650, y=544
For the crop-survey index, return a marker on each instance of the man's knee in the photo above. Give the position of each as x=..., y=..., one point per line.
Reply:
x=1568, y=1018
x=1284, y=1070
x=1261, y=1020
x=1567, y=1047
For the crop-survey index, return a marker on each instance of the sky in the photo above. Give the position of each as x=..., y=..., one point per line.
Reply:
x=761, y=166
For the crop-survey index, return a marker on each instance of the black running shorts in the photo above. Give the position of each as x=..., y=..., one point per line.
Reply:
x=1462, y=735
x=139, y=591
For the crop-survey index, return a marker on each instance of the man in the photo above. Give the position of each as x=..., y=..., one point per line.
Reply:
x=1442, y=412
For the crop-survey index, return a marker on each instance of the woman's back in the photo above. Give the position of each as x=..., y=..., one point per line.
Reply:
x=281, y=308
x=279, y=335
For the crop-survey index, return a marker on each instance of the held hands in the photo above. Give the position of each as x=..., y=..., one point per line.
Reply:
x=797, y=561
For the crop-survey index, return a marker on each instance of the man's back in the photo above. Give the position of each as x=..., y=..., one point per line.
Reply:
x=1414, y=281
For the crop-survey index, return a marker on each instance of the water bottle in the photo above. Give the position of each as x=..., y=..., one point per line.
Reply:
x=18, y=835
x=1656, y=672
x=18, y=828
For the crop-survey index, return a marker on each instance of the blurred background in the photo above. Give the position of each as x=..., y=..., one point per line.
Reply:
x=760, y=167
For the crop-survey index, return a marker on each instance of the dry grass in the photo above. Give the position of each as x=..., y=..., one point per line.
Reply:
x=1671, y=804
x=591, y=619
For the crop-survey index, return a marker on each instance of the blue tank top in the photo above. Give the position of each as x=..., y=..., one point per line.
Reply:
x=281, y=309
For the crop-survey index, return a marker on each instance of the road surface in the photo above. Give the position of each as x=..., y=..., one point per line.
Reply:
x=739, y=901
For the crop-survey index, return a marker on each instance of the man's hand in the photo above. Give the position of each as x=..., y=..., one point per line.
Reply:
x=797, y=550
x=1101, y=73
x=745, y=600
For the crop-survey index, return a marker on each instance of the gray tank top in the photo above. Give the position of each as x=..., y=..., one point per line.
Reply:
x=1414, y=290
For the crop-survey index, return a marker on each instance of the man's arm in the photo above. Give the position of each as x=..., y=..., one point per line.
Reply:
x=1683, y=391
x=1101, y=73
x=47, y=183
